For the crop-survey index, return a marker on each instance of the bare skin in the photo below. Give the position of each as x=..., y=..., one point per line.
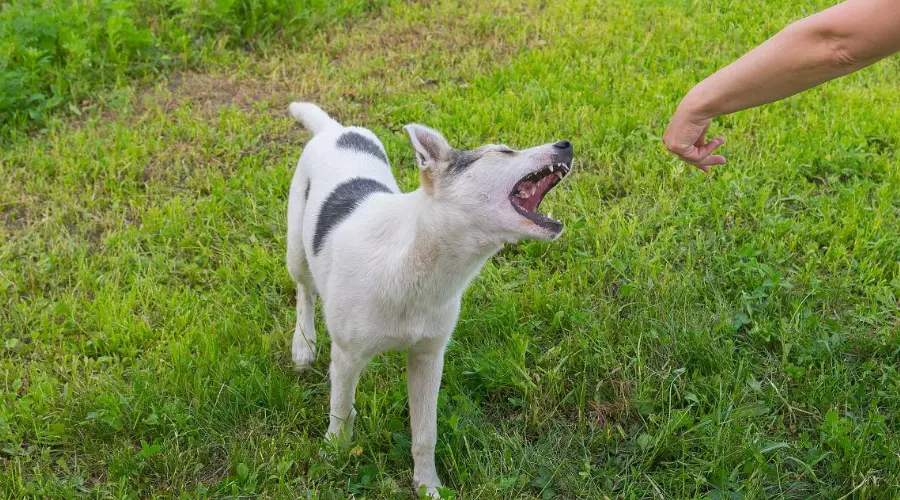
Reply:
x=827, y=45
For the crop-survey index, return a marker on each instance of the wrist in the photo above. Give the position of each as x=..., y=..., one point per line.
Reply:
x=697, y=105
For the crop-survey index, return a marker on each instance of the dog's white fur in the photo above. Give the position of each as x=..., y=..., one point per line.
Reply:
x=391, y=275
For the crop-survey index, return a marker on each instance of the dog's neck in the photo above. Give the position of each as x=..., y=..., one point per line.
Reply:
x=444, y=250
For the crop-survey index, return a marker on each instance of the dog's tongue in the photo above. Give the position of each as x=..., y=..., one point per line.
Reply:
x=530, y=194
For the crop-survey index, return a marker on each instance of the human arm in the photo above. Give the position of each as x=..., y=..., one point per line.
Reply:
x=824, y=46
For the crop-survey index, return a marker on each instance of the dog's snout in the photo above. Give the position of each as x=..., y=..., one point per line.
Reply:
x=562, y=152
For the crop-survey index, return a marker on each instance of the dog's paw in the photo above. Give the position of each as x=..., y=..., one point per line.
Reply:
x=340, y=430
x=303, y=357
x=427, y=484
x=339, y=440
x=333, y=447
x=428, y=492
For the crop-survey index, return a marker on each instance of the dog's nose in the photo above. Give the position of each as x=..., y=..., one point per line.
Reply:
x=563, y=145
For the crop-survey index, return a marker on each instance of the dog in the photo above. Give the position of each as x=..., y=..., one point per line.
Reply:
x=391, y=267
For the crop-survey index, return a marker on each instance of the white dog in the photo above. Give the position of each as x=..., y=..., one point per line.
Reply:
x=391, y=267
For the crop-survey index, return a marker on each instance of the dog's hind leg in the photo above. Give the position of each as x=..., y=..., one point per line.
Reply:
x=303, y=346
x=344, y=373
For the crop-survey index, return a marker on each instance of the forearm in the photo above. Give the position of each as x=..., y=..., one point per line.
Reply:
x=792, y=61
x=825, y=46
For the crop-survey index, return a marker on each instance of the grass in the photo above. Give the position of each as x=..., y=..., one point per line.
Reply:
x=733, y=335
x=56, y=55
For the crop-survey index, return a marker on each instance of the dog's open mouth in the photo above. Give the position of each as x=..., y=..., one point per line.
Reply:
x=528, y=193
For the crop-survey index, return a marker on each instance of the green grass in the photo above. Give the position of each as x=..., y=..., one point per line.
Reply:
x=733, y=335
x=55, y=55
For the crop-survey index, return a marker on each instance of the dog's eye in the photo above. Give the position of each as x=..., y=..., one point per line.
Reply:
x=507, y=151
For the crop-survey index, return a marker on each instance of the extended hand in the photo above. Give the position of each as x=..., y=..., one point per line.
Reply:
x=686, y=137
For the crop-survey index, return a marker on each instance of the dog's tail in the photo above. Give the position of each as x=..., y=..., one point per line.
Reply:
x=312, y=117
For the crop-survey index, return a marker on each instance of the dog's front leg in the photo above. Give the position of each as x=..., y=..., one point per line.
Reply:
x=424, y=364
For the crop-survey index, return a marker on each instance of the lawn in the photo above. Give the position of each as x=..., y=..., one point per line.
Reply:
x=731, y=335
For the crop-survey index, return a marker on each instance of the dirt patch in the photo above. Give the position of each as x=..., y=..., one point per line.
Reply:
x=207, y=93
x=616, y=407
x=185, y=165
x=212, y=91
x=604, y=413
x=14, y=215
x=214, y=467
x=410, y=43
x=173, y=162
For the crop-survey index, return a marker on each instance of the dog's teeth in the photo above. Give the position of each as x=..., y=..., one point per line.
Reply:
x=533, y=190
x=551, y=168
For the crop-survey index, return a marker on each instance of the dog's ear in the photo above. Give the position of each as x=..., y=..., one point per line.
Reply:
x=431, y=147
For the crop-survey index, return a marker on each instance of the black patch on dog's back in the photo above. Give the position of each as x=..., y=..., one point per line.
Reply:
x=357, y=142
x=341, y=202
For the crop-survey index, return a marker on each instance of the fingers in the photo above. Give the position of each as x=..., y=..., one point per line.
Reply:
x=710, y=146
x=710, y=160
x=700, y=154
x=702, y=136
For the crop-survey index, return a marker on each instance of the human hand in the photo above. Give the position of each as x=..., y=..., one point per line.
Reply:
x=686, y=137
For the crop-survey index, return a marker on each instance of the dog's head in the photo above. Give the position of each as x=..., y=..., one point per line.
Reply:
x=498, y=187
